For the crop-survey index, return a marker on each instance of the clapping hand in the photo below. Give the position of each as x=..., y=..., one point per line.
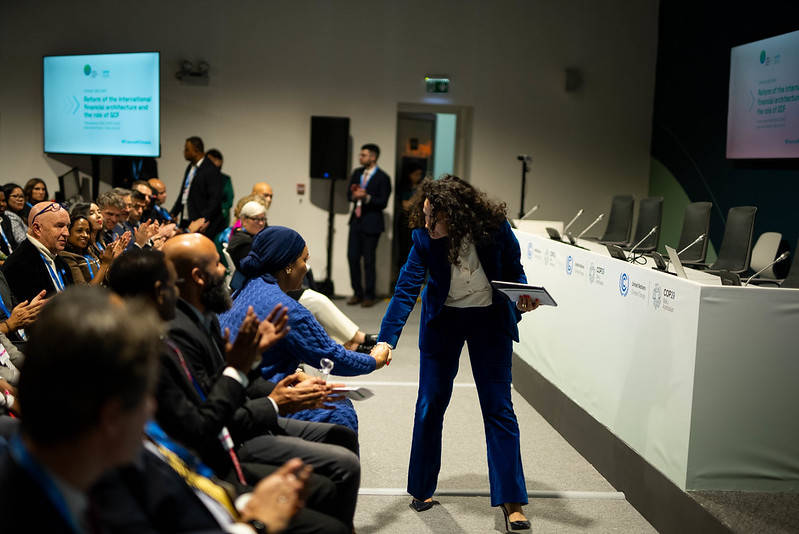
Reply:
x=278, y=497
x=292, y=396
x=243, y=353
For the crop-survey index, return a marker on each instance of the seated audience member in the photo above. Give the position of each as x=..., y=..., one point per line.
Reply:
x=265, y=190
x=112, y=208
x=54, y=461
x=262, y=436
x=16, y=316
x=91, y=211
x=158, y=212
x=35, y=191
x=35, y=265
x=57, y=458
x=85, y=265
x=277, y=264
x=11, y=359
x=7, y=240
x=338, y=326
x=15, y=200
x=148, y=274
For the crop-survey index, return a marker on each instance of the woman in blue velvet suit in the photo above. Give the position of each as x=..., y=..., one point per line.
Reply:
x=462, y=241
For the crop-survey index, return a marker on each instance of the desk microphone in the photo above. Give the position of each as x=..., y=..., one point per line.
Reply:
x=572, y=221
x=532, y=210
x=695, y=241
x=782, y=257
x=590, y=225
x=525, y=158
x=652, y=231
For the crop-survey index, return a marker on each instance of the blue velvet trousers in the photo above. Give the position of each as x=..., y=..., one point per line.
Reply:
x=490, y=351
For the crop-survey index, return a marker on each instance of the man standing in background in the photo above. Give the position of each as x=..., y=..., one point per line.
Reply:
x=369, y=190
x=201, y=191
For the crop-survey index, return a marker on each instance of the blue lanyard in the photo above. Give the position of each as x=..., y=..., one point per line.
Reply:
x=4, y=308
x=45, y=481
x=59, y=282
x=3, y=235
x=89, y=261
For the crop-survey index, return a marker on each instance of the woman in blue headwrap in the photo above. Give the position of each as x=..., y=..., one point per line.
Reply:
x=276, y=264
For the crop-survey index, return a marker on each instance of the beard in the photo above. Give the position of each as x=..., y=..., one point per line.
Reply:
x=216, y=296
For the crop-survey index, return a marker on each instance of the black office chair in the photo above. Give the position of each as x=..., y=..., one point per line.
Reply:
x=735, y=251
x=650, y=215
x=620, y=221
x=696, y=222
x=792, y=278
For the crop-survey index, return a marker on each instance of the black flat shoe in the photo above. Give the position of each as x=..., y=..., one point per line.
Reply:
x=421, y=506
x=513, y=525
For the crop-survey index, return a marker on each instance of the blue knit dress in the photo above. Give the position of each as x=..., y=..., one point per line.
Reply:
x=307, y=342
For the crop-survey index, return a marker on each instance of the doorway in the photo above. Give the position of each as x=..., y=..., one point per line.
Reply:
x=431, y=141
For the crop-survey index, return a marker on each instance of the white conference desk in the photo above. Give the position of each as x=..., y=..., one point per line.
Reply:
x=700, y=379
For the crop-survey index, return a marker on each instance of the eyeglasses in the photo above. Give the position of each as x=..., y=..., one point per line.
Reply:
x=260, y=220
x=54, y=207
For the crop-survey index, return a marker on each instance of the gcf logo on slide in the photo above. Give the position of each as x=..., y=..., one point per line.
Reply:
x=657, y=296
x=624, y=284
x=569, y=264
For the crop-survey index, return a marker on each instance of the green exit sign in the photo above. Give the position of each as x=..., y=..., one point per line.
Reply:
x=436, y=84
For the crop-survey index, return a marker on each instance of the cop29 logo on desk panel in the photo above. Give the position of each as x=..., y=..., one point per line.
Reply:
x=569, y=264
x=624, y=284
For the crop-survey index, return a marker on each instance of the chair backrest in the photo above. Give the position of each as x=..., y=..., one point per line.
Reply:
x=765, y=251
x=792, y=278
x=231, y=267
x=735, y=251
x=620, y=221
x=696, y=222
x=650, y=214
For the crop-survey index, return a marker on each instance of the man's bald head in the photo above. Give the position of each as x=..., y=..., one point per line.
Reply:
x=159, y=190
x=188, y=251
x=48, y=223
x=201, y=276
x=265, y=190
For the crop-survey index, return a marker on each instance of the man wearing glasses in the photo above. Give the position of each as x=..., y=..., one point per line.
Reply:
x=34, y=265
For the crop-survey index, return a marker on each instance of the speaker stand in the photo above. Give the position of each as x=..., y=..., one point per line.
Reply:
x=326, y=287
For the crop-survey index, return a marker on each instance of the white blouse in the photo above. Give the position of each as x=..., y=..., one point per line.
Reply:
x=469, y=287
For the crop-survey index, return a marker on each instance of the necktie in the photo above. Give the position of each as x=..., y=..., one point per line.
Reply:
x=195, y=480
x=364, y=181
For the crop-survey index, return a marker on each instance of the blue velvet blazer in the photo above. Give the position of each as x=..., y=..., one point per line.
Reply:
x=500, y=259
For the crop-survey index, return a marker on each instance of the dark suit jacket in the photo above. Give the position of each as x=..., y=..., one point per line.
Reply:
x=21, y=493
x=27, y=274
x=149, y=496
x=182, y=413
x=500, y=259
x=205, y=197
x=379, y=188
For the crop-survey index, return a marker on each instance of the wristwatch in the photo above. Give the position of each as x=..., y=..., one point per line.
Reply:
x=258, y=526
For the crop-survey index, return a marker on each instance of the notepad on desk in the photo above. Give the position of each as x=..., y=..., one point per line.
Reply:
x=513, y=291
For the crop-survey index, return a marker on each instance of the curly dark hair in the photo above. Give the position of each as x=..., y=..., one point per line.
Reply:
x=469, y=213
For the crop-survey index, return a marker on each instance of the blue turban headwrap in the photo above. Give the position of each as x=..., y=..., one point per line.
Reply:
x=274, y=248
